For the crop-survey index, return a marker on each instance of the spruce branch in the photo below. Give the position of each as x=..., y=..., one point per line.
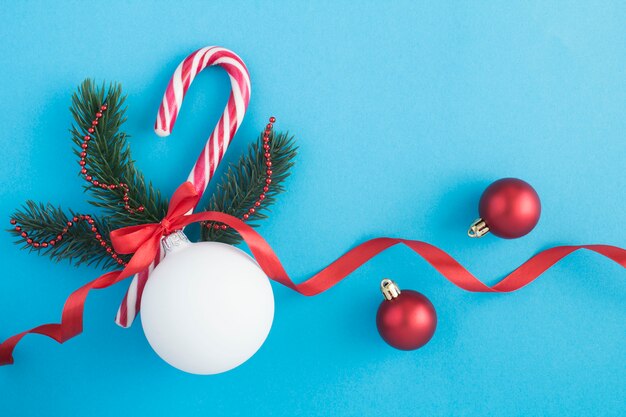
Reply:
x=44, y=222
x=243, y=182
x=109, y=158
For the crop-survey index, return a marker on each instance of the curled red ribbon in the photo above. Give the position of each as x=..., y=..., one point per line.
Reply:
x=144, y=240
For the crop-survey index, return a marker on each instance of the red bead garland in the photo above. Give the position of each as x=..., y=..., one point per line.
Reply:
x=268, y=177
x=90, y=179
x=71, y=223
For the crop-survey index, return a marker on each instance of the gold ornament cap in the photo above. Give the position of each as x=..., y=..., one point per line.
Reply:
x=389, y=289
x=478, y=229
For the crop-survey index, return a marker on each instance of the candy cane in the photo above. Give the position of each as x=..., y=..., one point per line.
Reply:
x=212, y=152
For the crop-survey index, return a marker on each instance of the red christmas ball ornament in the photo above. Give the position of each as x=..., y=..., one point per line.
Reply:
x=509, y=208
x=406, y=319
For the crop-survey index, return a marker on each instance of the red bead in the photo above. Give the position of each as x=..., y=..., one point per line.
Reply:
x=59, y=237
x=44, y=245
x=75, y=219
x=140, y=209
x=267, y=155
x=262, y=197
x=89, y=178
x=91, y=130
x=13, y=221
x=103, y=108
x=95, y=182
x=83, y=154
x=268, y=127
x=90, y=220
x=53, y=242
x=18, y=228
x=268, y=180
x=257, y=204
x=94, y=229
x=272, y=119
x=109, y=250
x=408, y=321
x=24, y=234
x=94, y=123
x=127, y=207
x=510, y=207
x=114, y=256
x=36, y=244
x=246, y=216
x=268, y=163
x=84, y=146
x=266, y=147
x=252, y=210
x=103, y=243
x=98, y=115
x=126, y=198
x=224, y=227
x=266, y=188
x=269, y=172
x=81, y=163
x=216, y=226
x=98, y=236
x=83, y=171
x=119, y=261
x=69, y=224
x=266, y=139
x=64, y=230
x=87, y=137
x=29, y=241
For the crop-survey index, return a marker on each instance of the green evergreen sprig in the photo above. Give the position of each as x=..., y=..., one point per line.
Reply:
x=44, y=222
x=243, y=182
x=109, y=158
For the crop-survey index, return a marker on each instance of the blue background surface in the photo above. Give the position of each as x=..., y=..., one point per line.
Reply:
x=404, y=113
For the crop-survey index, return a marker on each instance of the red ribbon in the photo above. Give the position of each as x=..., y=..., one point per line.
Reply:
x=144, y=240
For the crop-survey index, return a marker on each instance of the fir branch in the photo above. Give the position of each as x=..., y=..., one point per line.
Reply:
x=109, y=159
x=243, y=182
x=44, y=222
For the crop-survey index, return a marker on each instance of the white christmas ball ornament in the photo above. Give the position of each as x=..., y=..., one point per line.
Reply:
x=207, y=307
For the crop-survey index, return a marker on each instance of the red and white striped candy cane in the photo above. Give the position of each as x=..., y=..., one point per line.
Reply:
x=214, y=149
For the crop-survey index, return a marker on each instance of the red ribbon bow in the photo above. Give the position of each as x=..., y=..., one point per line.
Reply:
x=144, y=240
